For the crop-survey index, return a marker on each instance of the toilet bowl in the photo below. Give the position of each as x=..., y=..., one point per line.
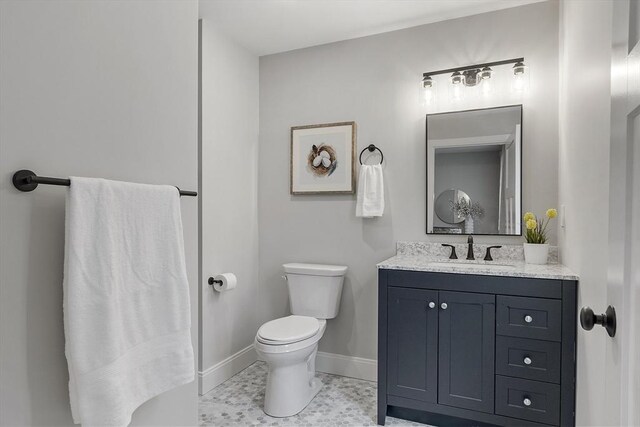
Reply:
x=291, y=382
x=289, y=344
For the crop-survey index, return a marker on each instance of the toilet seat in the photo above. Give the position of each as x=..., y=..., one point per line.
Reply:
x=288, y=330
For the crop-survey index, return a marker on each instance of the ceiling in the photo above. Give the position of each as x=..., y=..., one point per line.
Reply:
x=270, y=26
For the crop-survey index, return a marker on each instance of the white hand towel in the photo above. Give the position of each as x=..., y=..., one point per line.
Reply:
x=370, y=198
x=126, y=300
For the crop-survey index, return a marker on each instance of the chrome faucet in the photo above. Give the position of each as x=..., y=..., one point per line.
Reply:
x=470, y=250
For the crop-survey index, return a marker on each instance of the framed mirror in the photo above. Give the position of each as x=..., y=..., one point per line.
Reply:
x=474, y=172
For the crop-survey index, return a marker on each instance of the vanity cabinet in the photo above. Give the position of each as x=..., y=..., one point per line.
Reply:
x=459, y=349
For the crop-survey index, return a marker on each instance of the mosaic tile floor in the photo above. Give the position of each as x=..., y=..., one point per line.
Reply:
x=341, y=402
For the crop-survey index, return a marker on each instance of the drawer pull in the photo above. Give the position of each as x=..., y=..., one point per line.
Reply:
x=527, y=401
x=528, y=319
x=432, y=304
x=444, y=306
x=527, y=361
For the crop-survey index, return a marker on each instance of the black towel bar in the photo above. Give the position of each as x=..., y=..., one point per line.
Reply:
x=26, y=180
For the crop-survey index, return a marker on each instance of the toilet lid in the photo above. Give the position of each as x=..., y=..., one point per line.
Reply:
x=286, y=330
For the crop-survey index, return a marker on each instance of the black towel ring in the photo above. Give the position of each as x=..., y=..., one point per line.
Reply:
x=371, y=149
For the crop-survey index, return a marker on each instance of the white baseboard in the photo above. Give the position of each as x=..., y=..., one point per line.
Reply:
x=222, y=371
x=347, y=366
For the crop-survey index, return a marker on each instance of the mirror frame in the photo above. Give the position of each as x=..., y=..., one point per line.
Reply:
x=426, y=144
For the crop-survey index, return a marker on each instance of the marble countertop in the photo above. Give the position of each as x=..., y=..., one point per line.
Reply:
x=509, y=268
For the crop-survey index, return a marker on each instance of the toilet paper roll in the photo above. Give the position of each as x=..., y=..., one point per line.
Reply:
x=225, y=282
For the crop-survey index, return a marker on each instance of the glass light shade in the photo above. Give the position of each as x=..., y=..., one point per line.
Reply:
x=456, y=92
x=456, y=88
x=520, y=80
x=429, y=94
x=487, y=87
x=485, y=73
x=457, y=78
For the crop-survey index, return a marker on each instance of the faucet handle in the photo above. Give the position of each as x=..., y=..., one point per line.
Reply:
x=487, y=257
x=453, y=251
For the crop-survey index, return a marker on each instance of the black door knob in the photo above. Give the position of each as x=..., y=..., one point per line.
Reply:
x=588, y=319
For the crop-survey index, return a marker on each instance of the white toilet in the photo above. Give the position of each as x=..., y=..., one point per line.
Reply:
x=289, y=344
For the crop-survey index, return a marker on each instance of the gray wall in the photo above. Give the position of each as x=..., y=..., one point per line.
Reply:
x=374, y=81
x=477, y=174
x=99, y=88
x=229, y=195
x=584, y=183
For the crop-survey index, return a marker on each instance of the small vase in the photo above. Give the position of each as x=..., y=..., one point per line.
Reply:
x=536, y=253
x=468, y=225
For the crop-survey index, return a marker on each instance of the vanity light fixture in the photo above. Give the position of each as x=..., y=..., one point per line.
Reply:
x=476, y=75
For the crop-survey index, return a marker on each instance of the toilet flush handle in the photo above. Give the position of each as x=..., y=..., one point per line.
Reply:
x=284, y=276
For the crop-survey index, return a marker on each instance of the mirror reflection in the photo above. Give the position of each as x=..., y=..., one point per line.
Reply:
x=474, y=170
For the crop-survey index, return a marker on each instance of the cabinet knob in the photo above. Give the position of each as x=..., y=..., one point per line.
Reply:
x=527, y=401
x=528, y=319
x=444, y=306
x=527, y=360
x=432, y=304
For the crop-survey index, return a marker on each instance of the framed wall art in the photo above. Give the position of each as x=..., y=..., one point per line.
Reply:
x=323, y=159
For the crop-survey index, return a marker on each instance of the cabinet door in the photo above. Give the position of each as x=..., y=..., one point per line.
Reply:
x=413, y=344
x=466, y=350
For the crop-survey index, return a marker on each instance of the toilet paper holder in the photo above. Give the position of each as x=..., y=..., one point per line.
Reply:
x=212, y=281
x=223, y=282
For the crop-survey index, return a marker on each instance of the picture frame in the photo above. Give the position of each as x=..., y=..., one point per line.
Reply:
x=323, y=159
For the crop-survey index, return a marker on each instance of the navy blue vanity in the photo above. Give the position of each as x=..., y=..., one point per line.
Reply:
x=457, y=348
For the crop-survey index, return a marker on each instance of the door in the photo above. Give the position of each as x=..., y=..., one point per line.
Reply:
x=622, y=388
x=466, y=350
x=413, y=344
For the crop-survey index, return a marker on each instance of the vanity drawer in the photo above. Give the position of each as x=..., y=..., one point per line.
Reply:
x=526, y=358
x=536, y=318
x=528, y=400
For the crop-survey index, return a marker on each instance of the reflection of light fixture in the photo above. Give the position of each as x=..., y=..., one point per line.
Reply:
x=481, y=75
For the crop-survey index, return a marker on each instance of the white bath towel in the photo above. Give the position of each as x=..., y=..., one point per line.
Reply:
x=126, y=300
x=370, y=198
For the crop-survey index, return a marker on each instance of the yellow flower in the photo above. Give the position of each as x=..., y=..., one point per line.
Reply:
x=552, y=213
x=531, y=224
x=529, y=216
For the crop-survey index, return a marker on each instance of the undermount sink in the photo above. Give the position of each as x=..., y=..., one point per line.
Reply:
x=472, y=265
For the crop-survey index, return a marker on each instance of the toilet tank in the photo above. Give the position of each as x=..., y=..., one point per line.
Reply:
x=315, y=289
